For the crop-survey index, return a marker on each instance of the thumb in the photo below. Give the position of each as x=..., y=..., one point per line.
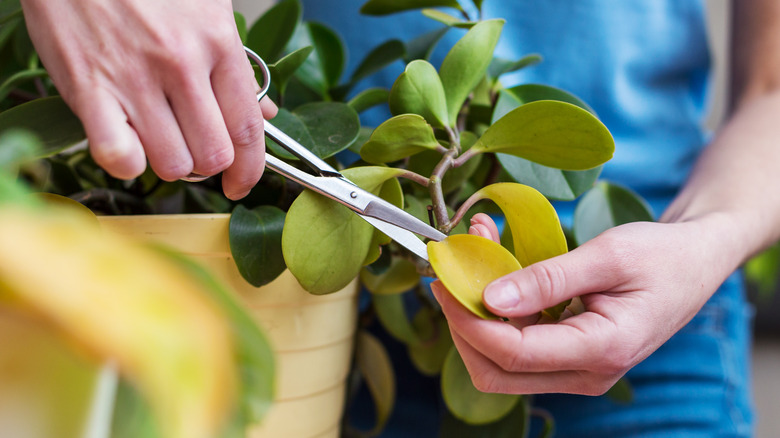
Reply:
x=547, y=283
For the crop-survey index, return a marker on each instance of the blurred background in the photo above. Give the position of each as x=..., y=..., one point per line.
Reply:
x=766, y=353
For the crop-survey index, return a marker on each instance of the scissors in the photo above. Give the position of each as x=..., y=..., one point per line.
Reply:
x=384, y=216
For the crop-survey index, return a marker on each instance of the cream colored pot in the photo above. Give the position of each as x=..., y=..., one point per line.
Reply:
x=312, y=336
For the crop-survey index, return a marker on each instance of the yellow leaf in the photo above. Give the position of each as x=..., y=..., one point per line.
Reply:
x=118, y=300
x=466, y=264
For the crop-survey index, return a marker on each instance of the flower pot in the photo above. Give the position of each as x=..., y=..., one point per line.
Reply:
x=312, y=336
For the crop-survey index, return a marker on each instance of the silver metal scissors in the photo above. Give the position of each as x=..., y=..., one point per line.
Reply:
x=384, y=216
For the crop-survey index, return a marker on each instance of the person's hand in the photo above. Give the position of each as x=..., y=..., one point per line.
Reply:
x=163, y=80
x=639, y=283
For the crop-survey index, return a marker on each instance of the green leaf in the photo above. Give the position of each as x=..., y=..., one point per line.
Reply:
x=369, y=98
x=500, y=66
x=551, y=133
x=511, y=98
x=466, y=63
x=467, y=403
x=418, y=90
x=19, y=78
x=447, y=19
x=513, y=425
x=374, y=364
x=325, y=244
x=326, y=128
x=322, y=69
x=384, y=7
x=24, y=51
x=256, y=243
x=377, y=59
x=422, y=46
x=9, y=9
x=429, y=354
x=271, y=32
x=762, y=272
x=397, y=138
x=8, y=29
x=390, y=311
x=284, y=69
x=400, y=277
x=621, y=391
x=240, y=20
x=564, y=185
x=49, y=119
x=605, y=206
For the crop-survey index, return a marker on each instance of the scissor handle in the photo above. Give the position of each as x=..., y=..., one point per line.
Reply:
x=254, y=57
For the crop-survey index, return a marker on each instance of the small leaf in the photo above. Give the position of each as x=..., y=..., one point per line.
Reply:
x=429, y=354
x=285, y=68
x=447, y=19
x=377, y=59
x=466, y=63
x=422, y=46
x=536, y=231
x=397, y=138
x=401, y=277
x=256, y=243
x=322, y=69
x=551, y=133
x=369, y=98
x=374, y=364
x=418, y=90
x=274, y=29
x=325, y=244
x=49, y=119
x=384, y=7
x=467, y=403
x=392, y=315
x=500, y=66
x=605, y=206
x=465, y=264
x=325, y=128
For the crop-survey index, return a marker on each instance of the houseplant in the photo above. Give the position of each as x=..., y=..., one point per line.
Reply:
x=456, y=131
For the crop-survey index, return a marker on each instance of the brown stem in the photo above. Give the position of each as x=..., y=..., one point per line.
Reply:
x=464, y=157
x=463, y=209
x=416, y=177
x=437, y=194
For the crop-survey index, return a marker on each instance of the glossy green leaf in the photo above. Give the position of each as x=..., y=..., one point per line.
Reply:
x=428, y=355
x=466, y=63
x=322, y=69
x=551, y=133
x=392, y=315
x=511, y=98
x=378, y=58
x=501, y=66
x=467, y=403
x=465, y=264
x=325, y=244
x=325, y=128
x=374, y=364
x=49, y=119
x=418, y=90
x=513, y=425
x=384, y=7
x=369, y=98
x=397, y=138
x=284, y=69
x=273, y=30
x=422, y=46
x=536, y=231
x=605, y=206
x=256, y=243
x=564, y=185
x=400, y=277
x=363, y=136
x=241, y=27
x=447, y=19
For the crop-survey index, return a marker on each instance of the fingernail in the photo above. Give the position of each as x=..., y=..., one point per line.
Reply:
x=502, y=295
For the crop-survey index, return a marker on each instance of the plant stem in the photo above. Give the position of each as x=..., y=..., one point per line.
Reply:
x=437, y=194
x=416, y=177
x=461, y=160
x=463, y=209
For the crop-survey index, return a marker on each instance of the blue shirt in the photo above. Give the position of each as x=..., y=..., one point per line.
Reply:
x=643, y=65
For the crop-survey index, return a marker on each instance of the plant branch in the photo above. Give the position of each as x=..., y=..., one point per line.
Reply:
x=464, y=208
x=416, y=177
x=437, y=194
x=463, y=158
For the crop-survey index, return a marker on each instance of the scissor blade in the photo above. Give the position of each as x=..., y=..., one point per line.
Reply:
x=390, y=213
x=405, y=238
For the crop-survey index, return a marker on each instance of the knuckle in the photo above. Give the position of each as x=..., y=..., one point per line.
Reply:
x=485, y=382
x=248, y=135
x=173, y=171
x=549, y=278
x=218, y=160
